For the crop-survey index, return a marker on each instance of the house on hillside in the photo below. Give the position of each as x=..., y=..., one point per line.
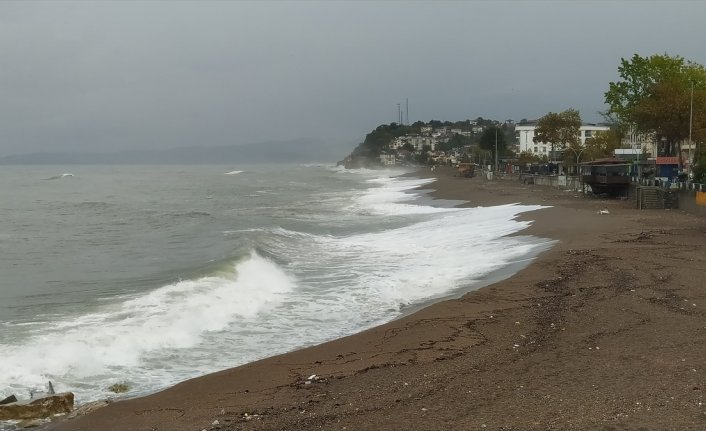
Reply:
x=387, y=159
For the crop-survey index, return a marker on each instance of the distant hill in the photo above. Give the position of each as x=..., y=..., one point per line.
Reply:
x=298, y=150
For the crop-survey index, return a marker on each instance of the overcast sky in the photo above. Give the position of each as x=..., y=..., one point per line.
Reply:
x=101, y=76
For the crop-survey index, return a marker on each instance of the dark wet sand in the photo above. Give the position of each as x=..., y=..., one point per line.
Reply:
x=607, y=330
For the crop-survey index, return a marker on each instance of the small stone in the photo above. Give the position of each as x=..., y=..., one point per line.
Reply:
x=119, y=388
x=215, y=422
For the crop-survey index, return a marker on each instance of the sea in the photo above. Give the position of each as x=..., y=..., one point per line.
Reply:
x=150, y=275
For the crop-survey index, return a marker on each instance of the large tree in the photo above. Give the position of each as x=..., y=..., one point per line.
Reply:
x=601, y=145
x=560, y=130
x=654, y=96
x=493, y=137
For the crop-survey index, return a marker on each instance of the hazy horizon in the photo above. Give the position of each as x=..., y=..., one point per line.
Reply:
x=123, y=76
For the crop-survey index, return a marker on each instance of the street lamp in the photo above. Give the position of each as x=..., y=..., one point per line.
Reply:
x=691, y=143
x=578, y=155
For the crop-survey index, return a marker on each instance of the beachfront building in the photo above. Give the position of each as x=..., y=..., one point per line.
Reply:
x=525, y=132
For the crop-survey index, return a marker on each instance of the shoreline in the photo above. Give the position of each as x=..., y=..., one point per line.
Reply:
x=574, y=340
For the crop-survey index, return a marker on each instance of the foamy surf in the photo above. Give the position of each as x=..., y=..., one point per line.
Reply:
x=337, y=252
x=118, y=343
x=233, y=173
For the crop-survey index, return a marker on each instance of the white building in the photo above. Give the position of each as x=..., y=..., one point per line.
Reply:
x=387, y=159
x=526, y=131
x=417, y=141
x=640, y=141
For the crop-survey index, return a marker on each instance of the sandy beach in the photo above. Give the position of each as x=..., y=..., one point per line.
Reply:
x=606, y=330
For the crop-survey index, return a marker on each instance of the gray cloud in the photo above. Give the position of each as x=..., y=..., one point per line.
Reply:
x=101, y=76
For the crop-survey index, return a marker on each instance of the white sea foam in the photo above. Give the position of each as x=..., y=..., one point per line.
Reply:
x=393, y=196
x=413, y=263
x=345, y=282
x=111, y=342
x=233, y=173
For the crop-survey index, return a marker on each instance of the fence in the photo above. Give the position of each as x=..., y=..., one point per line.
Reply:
x=647, y=193
x=686, y=196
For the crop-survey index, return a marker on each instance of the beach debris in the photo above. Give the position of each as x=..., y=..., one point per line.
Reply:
x=312, y=379
x=119, y=388
x=87, y=408
x=11, y=399
x=38, y=408
x=31, y=423
x=604, y=211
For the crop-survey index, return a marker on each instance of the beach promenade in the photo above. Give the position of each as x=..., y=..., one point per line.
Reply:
x=606, y=330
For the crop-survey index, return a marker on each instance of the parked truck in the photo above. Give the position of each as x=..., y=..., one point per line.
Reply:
x=467, y=170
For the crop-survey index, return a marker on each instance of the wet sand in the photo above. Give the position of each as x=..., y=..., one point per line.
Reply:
x=606, y=330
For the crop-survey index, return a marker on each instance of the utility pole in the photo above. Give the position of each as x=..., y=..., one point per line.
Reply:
x=399, y=114
x=496, y=149
x=406, y=101
x=691, y=117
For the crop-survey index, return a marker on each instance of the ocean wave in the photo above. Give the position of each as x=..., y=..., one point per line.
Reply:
x=112, y=342
x=58, y=177
x=394, y=196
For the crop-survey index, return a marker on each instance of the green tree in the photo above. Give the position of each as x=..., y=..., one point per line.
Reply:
x=653, y=95
x=423, y=156
x=527, y=158
x=637, y=77
x=601, y=145
x=559, y=129
x=700, y=165
x=492, y=135
x=376, y=140
x=667, y=111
